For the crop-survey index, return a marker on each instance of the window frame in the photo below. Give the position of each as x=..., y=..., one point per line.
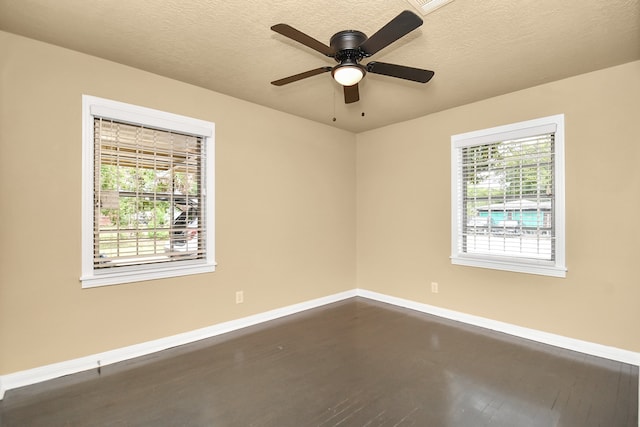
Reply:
x=528, y=128
x=127, y=113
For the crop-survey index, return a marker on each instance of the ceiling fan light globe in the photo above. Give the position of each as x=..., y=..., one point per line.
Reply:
x=348, y=75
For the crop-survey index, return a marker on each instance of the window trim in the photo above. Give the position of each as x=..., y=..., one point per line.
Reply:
x=555, y=268
x=119, y=111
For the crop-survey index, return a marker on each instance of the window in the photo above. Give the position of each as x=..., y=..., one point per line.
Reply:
x=148, y=202
x=508, y=197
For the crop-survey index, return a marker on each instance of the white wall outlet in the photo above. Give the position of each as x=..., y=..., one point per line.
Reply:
x=239, y=297
x=434, y=287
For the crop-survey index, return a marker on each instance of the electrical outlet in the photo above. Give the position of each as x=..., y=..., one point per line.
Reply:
x=239, y=297
x=434, y=287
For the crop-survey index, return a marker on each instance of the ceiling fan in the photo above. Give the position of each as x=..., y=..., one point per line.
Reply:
x=349, y=47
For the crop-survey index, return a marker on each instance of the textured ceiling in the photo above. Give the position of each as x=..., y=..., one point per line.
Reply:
x=478, y=49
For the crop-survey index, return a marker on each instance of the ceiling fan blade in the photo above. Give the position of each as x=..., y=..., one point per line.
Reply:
x=300, y=37
x=300, y=76
x=351, y=94
x=399, y=26
x=400, y=71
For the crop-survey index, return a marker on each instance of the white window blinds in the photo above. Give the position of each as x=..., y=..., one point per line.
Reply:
x=508, y=199
x=148, y=199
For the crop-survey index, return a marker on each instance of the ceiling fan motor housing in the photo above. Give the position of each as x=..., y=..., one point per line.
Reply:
x=346, y=44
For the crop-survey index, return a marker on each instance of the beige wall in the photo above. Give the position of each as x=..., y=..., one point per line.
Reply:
x=403, y=220
x=286, y=211
x=285, y=214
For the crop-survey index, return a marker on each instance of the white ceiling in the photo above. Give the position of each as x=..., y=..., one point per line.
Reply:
x=478, y=49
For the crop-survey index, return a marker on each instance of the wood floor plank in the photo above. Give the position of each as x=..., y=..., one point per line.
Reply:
x=352, y=363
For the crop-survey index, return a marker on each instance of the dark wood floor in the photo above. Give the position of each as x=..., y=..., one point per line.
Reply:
x=352, y=363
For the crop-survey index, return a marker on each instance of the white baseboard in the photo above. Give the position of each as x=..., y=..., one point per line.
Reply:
x=586, y=347
x=56, y=370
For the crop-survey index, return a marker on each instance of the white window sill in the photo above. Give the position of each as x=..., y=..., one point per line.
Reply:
x=105, y=278
x=544, y=269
